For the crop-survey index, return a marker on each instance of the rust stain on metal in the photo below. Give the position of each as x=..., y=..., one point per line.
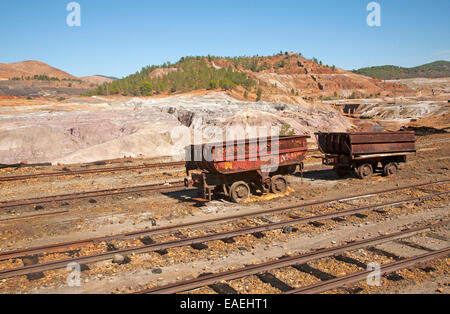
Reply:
x=366, y=143
x=364, y=152
x=249, y=155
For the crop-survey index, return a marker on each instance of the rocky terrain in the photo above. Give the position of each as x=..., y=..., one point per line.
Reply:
x=430, y=107
x=96, y=79
x=400, y=110
x=32, y=89
x=313, y=81
x=284, y=73
x=148, y=211
x=75, y=132
x=38, y=79
x=298, y=95
x=90, y=129
x=285, y=77
x=427, y=86
x=31, y=68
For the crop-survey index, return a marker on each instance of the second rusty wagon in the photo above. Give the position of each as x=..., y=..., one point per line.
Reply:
x=365, y=152
x=237, y=168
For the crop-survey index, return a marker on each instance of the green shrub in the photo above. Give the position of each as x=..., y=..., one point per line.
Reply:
x=287, y=130
x=212, y=85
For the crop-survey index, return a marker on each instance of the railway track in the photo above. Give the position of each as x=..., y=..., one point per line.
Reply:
x=152, y=247
x=124, y=168
x=362, y=275
x=159, y=230
x=264, y=268
x=90, y=171
x=91, y=194
x=99, y=170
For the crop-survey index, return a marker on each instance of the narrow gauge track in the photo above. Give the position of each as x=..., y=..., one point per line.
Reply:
x=124, y=168
x=207, y=280
x=97, y=170
x=90, y=194
x=40, y=215
x=351, y=279
x=35, y=268
x=143, y=188
x=90, y=171
x=69, y=245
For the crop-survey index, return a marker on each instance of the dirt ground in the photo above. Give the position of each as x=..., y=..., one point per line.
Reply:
x=113, y=215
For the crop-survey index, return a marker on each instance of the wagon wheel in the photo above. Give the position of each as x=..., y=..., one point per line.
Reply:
x=390, y=169
x=279, y=185
x=365, y=171
x=239, y=191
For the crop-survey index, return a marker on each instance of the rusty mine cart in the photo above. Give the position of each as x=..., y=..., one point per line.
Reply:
x=238, y=169
x=365, y=152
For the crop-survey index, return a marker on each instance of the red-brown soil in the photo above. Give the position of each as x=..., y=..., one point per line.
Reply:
x=31, y=68
x=311, y=80
x=96, y=79
x=288, y=78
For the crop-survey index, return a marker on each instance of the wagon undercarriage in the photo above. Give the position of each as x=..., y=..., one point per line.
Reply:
x=256, y=165
x=366, y=153
x=239, y=186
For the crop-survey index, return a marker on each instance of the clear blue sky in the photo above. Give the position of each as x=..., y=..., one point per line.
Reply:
x=119, y=37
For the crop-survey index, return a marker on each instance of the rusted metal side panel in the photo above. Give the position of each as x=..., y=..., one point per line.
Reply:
x=282, y=159
x=380, y=148
x=377, y=143
x=382, y=137
x=249, y=155
x=366, y=143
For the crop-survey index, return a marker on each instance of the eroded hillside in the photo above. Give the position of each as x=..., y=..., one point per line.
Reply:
x=288, y=77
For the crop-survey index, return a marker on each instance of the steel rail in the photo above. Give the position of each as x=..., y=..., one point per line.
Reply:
x=34, y=215
x=188, y=241
x=90, y=194
x=159, y=187
x=202, y=281
x=362, y=275
x=155, y=231
x=89, y=171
